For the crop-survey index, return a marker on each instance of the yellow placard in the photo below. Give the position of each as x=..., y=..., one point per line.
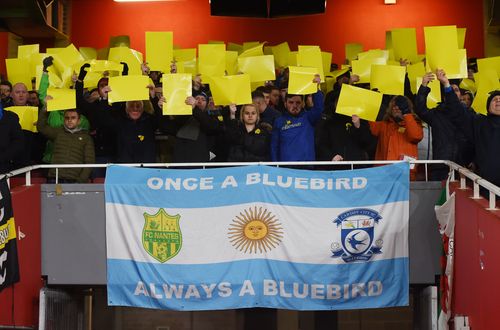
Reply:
x=326, y=59
x=101, y=66
x=310, y=56
x=434, y=97
x=374, y=53
x=359, y=101
x=462, y=66
x=132, y=57
x=489, y=63
x=91, y=79
x=352, y=50
x=280, y=53
x=62, y=99
x=388, y=40
x=212, y=60
x=414, y=71
x=301, y=80
x=404, y=44
x=250, y=44
x=128, y=88
x=388, y=79
x=88, y=53
x=186, y=60
x=55, y=50
x=159, y=50
x=441, y=48
x=103, y=53
x=36, y=59
x=176, y=88
x=235, y=47
x=231, y=62
x=67, y=58
x=292, y=58
x=119, y=41
x=338, y=73
x=259, y=68
x=461, y=37
x=25, y=51
x=468, y=84
x=268, y=50
x=362, y=68
x=231, y=89
x=18, y=71
x=486, y=81
x=28, y=116
x=256, y=50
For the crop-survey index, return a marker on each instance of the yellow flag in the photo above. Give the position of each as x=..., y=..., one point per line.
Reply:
x=301, y=80
x=414, y=71
x=235, y=47
x=280, y=53
x=388, y=79
x=486, y=81
x=176, y=88
x=88, y=53
x=231, y=62
x=62, y=99
x=101, y=66
x=25, y=51
x=462, y=66
x=404, y=44
x=363, y=68
x=352, y=50
x=159, y=50
x=28, y=116
x=292, y=58
x=18, y=71
x=441, y=48
x=359, y=101
x=132, y=57
x=327, y=61
x=259, y=68
x=434, y=96
x=461, y=37
x=231, y=89
x=310, y=56
x=212, y=60
x=128, y=88
x=256, y=50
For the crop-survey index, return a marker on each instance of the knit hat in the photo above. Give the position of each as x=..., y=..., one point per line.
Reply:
x=490, y=98
x=200, y=93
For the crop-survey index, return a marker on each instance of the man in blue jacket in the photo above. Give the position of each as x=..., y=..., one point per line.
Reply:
x=293, y=133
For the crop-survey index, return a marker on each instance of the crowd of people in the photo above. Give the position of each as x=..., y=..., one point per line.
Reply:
x=277, y=126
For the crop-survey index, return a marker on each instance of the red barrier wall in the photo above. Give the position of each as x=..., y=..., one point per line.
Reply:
x=94, y=21
x=26, y=206
x=477, y=262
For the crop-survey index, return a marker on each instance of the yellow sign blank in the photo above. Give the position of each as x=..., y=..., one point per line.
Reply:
x=128, y=88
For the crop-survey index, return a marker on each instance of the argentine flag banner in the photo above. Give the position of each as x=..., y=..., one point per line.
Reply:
x=257, y=236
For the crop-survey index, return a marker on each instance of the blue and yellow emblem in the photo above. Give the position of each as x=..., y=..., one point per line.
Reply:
x=161, y=235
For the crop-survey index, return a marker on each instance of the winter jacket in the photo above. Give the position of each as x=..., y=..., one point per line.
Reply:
x=246, y=146
x=11, y=140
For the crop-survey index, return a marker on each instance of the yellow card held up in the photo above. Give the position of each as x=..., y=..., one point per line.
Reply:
x=388, y=40
x=67, y=57
x=434, y=96
x=468, y=84
x=292, y=58
x=88, y=53
x=101, y=66
x=257, y=50
x=176, y=88
x=414, y=71
x=91, y=79
x=327, y=61
x=388, y=79
x=310, y=56
x=489, y=63
x=28, y=116
x=131, y=57
x=231, y=89
x=235, y=47
x=259, y=68
x=250, y=44
x=128, y=88
x=486, y=81
x=186, y=60
x=404, y=44
x=212, y=60
x=352, y=50
x=268, y=50
x=119, y=41
x=441, y=48
x=363, y=68
x=280, y=53
x=55, y=50
x=231, y=62
x=374, y=53
x=462, y=66
x=301, y=80
x=159, y=50
x=25, y=51
x=18, y=71
x=62, y=99
x=359, y=101
x=461, y=37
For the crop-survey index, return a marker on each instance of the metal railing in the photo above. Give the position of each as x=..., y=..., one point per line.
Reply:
x=464, y=173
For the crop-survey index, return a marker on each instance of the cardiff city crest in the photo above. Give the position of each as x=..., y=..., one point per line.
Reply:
x=161, y=235
x=357, y=235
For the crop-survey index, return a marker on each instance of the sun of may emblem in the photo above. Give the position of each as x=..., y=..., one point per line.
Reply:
x=255, y=231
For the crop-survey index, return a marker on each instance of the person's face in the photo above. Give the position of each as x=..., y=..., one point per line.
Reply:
x=135, y=110
x=101, y=85
x=260, y=104
x=250, y=115
x=294, y=105
x=494, y=108
x=19, y=95
x=274, y=97
x=71, y=119
x=201, y=102
x=33, y=99
x=4, y=91
x=465, y=99
x=395, y=112
x=266, y=98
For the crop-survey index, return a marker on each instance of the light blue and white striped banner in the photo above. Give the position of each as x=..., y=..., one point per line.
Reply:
x=257, y=236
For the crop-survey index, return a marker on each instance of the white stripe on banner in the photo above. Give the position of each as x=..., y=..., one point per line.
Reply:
x=245, y=241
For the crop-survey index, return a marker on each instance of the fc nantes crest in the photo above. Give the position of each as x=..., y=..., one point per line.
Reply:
x=161, y=235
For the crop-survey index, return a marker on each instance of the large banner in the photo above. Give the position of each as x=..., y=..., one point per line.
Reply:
x=9, y=267
x=257, y=236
